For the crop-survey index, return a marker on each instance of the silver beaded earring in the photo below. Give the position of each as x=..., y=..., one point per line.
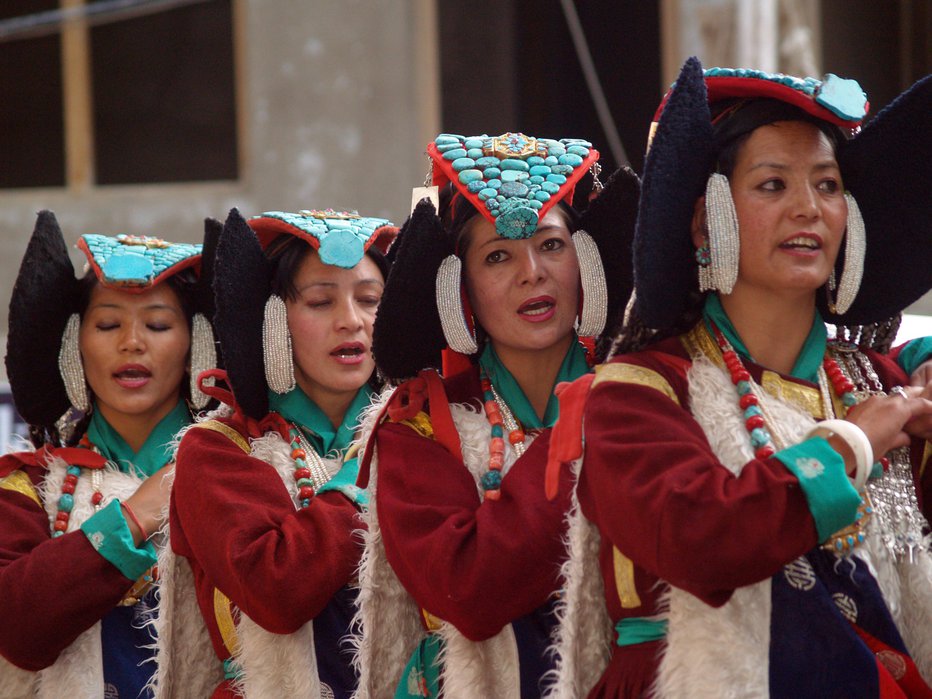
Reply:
x=594, y=288
x=276, y=346
x=450, y=307
x=71, y=367
x=724, y=243
x=853, y=271
x=203, y=357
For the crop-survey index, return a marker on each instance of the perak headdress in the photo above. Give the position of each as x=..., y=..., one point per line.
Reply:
x=512, y=180
x=43, y=359
x=885, y=167
x=251, y=321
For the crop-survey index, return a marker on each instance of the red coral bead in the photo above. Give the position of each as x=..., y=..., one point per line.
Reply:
x=516, y=437
x=496, y=461
x=71, y=478
x=742, y=375
x=298, y=454
x=493, y=494
x=96, y=498
x=67, y=487
x=754, y=421
x=61, y=525
x=764, y=452
x=747, y=400
x=62, y=517
x=305, y=493
x=300, y=473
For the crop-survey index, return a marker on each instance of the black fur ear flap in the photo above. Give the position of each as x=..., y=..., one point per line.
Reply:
x=205, y=296
x=408, y=336
x=610, y=220
x=242, y=284
x=675, y=174
x=44, y=296
x=888, y=169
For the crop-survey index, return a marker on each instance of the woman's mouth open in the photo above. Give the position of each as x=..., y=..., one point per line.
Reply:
x=349, y=353
x=132, y=376
x=538, y=309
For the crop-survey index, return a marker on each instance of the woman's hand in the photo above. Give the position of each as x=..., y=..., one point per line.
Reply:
x=889, y=421
x=921, y=426
x=148, y=503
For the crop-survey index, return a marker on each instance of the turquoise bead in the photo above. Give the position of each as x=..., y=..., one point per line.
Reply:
x=514, y=164
x=500, y=197
x=556, y=150
x=556, y=179
x=743, y=388
x=475, y=186
x=550, y=187
x=578, y=150
x=473, y=143
x=454, y=153
x=467, y=176
x=494, y=183
x=487, y=193
x=497, y=430
x=487, y=161
x=461, y=164
x=849, y=399
x=535, y=160
x=570, y=159
x=551, y=161
x=492, y=173
x=448, y=147
x=543, y=170
x=66, y=502
x=759, y=437
x=492, y=205
x=73, y=470
x=302, y=482
x=443, y=139
x=541, y=196
x=751, y=411
x=491, y=480
x=561, y=169
x=474, y=152
x=535, y=179
x=534, y=204
x=510, y=175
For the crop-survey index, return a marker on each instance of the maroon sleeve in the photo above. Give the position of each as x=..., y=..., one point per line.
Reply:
x=51, y=590
x=653, y=485
x=280, y=566
x=476, y=564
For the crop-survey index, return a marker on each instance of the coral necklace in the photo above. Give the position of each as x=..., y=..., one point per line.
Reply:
x=500, y=418
x=66, y=500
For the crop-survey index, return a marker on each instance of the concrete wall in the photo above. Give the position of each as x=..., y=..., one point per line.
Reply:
x=337, y=100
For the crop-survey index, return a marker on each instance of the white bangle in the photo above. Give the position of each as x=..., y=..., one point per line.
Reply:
x=857, y=442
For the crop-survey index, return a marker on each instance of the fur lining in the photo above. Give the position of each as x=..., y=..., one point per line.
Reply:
x=583, y=635
x=388, y=623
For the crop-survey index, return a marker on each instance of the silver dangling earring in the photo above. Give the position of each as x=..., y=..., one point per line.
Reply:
x=724, y=243
x=450, y=307
x=853, y=271
x=71, y=367
x=203, y=357
x=594, y=288
x=276, y=346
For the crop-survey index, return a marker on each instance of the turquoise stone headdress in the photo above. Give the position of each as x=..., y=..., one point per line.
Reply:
x=135, y=263
x=512, y=179
x=341, y=238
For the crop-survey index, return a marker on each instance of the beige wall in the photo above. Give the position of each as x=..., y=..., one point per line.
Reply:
x=338, y=99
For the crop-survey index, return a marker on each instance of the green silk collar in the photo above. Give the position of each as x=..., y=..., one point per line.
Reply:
x=810, y=356
x=155, y=452
x=574, y=365
x=297, y=408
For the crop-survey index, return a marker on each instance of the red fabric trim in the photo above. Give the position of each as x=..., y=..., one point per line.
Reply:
x=907, y=682
x=566, y=442
x=444, y=172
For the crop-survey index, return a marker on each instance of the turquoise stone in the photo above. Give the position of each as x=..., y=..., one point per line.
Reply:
x=581, y=151
x=444, y=139
x=539, y=170
x=514, y=189
x=551, y=160
x=515, y=164
x=341, y=248
x=494, y=183
x=454, y=153
x=474, y=152
x=448, y=146
x=541, y=196
x=473, y=143
x=535, y=160
x=492, y=173
x=467, y=176
x=535, y=179
x=487, y=161
x=556, y=179
x=516, y=223
x=461, y=164
x=487, y=193
x=510, y=175
x=66, y=502
x=562, y=169
x=73, y=470
x=551, y=187
x=570, y=159
x=492, y=205
x=556, y=150
x=536, y=205
x=500, y=198
x=475, y=186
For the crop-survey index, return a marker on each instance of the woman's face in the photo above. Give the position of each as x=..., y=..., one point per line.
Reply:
x=135, y=351
x=525, y=293
x=330, y=321
x=791, y=208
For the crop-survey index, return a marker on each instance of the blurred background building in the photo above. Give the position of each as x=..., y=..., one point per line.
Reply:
x=146, y=116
